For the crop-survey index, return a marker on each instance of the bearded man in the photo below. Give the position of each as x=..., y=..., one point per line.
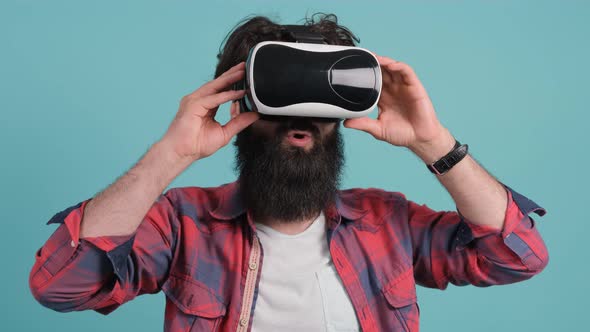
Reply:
x=283, y=248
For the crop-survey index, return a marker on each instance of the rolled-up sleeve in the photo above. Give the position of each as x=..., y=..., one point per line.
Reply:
x=450, y=248
x=101, y=273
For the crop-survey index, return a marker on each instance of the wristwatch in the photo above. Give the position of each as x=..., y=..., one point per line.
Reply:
x=447, y=162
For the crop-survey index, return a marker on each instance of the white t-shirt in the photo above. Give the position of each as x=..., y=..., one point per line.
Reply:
x=300, y=289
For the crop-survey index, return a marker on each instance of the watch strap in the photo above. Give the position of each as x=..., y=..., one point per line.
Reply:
x=447, y=162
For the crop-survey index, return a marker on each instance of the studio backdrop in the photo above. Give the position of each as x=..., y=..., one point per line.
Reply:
x=87, y=87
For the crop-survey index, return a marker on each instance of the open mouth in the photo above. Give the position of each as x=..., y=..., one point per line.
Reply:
x=299, y=137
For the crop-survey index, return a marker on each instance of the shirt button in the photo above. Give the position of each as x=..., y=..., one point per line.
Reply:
x=73, y=244
x=243, y=322
x=253, y=266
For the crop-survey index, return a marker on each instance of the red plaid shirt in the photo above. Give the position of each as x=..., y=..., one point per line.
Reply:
x=199, y=246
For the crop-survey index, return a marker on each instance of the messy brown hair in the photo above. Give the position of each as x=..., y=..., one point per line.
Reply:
x=252, y=30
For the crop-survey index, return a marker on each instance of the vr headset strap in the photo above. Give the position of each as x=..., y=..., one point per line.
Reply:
x=302, y=34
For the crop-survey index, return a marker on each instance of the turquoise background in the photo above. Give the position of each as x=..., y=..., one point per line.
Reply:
x=87, y=87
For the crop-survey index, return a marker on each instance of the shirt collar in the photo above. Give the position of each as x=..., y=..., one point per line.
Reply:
x=230, y=206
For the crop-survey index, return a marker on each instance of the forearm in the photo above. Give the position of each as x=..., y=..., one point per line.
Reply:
x=477, y=194
x=120, y=208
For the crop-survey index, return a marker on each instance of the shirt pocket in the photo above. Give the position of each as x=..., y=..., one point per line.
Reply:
x=400, y=294
x=201, y=308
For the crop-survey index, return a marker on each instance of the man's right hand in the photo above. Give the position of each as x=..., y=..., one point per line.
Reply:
x=194, y=133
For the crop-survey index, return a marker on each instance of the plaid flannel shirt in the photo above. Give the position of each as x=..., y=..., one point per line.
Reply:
x=199, y=246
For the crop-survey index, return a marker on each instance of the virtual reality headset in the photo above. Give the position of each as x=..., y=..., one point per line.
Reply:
x=309, y=78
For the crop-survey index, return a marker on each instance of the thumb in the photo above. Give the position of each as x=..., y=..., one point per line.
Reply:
x=238, y=123
x=365, y=124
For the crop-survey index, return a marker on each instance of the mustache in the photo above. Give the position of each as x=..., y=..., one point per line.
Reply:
x=297, y=123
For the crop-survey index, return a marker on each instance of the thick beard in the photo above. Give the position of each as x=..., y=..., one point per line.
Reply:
x=288, y=184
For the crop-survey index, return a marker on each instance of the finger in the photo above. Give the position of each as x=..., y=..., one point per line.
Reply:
x=365, y=124
x=386, y=76
x=213, y=101
x=376, y=55
x=240, y=66
x=385, y=60
x=222, y=83
x=237, y=124
x=234, y=110
x=236, y=67
x=407, y=73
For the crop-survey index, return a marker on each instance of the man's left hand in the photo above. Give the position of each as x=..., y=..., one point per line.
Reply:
x=406, y=114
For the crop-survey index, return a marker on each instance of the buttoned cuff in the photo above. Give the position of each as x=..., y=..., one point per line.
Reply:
x=116, y=248
x=518, y=229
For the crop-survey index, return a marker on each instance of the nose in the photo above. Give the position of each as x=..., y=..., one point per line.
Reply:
x=301, y=123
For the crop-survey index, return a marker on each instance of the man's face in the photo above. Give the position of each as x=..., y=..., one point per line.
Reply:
x=289, y=169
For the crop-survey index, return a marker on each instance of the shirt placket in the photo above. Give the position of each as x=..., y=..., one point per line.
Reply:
x=250, y=285
x=349, y=279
